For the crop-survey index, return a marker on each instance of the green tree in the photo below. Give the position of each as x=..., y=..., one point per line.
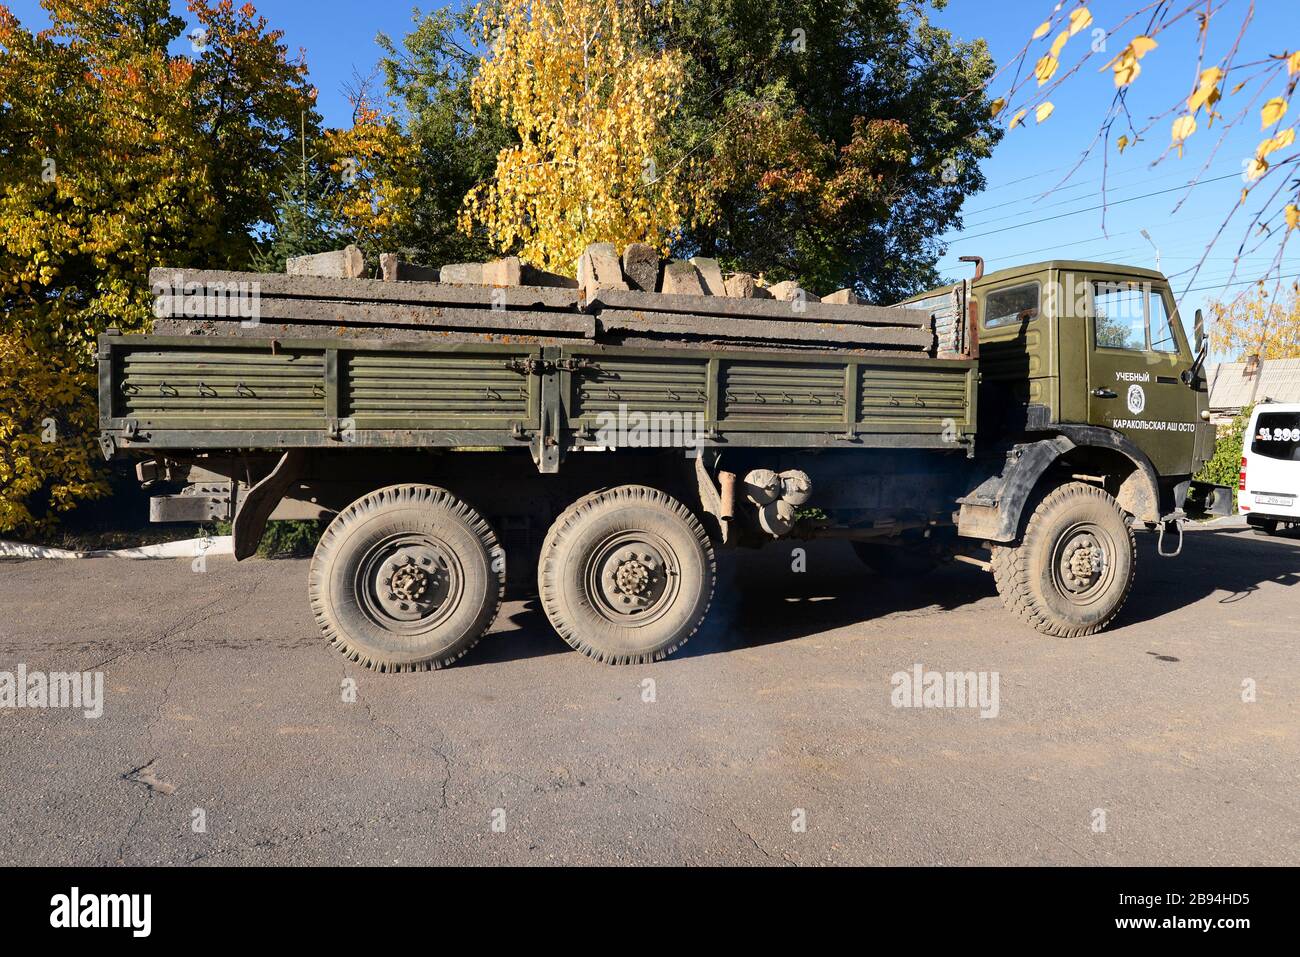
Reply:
x=427, y=79
x=303, y=223
x=1224, y=466
x=841, y=138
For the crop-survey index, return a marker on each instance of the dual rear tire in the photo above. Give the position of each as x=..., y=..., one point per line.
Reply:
x=410, y=577
x=626, y=575
x=407, y=578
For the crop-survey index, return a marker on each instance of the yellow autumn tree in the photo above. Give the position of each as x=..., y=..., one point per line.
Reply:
x=117, y=154
x=1257, y=324
x=589, y=99
x=374, y=163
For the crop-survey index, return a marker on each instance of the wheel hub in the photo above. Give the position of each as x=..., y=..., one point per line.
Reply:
x=632, y=579
x=1083, y=561
x=411, y=583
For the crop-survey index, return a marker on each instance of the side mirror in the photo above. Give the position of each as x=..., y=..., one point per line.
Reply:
x=1200, y=330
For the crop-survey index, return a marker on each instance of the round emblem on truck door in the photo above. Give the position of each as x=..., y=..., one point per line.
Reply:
x=1137, y=399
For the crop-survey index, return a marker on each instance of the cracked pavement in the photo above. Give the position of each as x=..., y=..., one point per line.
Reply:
x=221, y=700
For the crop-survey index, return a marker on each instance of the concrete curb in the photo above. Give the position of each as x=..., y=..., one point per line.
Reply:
x=189, y=548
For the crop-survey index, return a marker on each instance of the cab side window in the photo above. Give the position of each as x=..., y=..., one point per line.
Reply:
x=1162, y=327
x=1119, y=312
x=1003, y=307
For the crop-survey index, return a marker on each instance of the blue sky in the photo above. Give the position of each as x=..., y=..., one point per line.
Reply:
x=338, y=37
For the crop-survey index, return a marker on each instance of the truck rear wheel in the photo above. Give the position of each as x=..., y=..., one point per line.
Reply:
x=407, y=578
x=1073, y=570
x=626, y=575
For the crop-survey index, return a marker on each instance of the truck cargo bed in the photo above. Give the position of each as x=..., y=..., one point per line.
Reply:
x=246, y=392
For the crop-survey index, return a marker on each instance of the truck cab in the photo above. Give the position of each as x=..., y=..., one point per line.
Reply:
x=1094, y=354
x=1092, y=344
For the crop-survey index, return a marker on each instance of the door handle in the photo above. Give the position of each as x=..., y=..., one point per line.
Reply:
x=1103, y=393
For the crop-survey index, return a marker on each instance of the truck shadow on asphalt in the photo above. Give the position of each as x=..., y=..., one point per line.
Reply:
x=761, y=598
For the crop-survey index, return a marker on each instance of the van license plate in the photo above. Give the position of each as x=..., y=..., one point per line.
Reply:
x=1274, y=499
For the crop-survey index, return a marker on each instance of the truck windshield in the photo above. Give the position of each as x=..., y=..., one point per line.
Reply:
x=1277, y=436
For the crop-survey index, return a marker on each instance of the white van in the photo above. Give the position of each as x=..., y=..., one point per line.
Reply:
x=1269, y=485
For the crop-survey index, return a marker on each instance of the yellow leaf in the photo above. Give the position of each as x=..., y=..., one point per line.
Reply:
x=1043, y=112
x=997, y=106
x=1016, y=120
x=1059, y=43
x=1272, y=111
x=1142, y=45
x=1122, y=143
x=1184, y=127
x=1283, y=139
x=1045, y=68
x=1042, y=30
x=1292, y=216
x=1127, y=69
x=1293, y=64
x=1255, y=169
x=1206, y=89
x=1079, y=20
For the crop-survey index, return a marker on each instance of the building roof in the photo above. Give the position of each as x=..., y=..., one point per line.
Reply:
x=1279, y=381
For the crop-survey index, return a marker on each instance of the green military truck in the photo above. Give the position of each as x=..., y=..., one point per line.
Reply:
x=600, y=444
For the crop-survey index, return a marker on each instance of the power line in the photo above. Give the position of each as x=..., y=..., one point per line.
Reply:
x=1241, y=282
x=1118, y=182
x=1091, y=209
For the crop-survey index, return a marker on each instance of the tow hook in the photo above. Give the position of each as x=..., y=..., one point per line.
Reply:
x=1165, y=525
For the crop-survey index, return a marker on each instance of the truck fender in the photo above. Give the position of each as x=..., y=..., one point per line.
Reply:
x=993, y=510
x=1139, y=493
x=256, y=507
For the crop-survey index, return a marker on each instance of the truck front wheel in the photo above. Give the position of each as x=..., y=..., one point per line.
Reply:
x=1074, y=567
x=407, y=578
x=626, y=575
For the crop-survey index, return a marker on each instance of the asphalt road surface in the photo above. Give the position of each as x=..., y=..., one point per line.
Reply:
x=771, y=738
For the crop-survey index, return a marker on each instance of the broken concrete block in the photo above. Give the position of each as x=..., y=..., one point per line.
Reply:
x=641, y=267
x=599, y=268
x=345, y=263
x=466, y=274
x=740, y=285
x=681, y=279
x=842, y=297
x=395, y=270
x=789, y=291
x=503, y=272
x=710, y=276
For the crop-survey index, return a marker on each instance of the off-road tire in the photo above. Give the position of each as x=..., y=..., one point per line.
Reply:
x=380, y=531
x=574, y=558
x=1029, y=575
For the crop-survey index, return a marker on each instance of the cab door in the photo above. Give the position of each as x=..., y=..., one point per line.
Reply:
x=1137, y=352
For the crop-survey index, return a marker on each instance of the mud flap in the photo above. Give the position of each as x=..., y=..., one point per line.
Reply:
x=256, y=507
